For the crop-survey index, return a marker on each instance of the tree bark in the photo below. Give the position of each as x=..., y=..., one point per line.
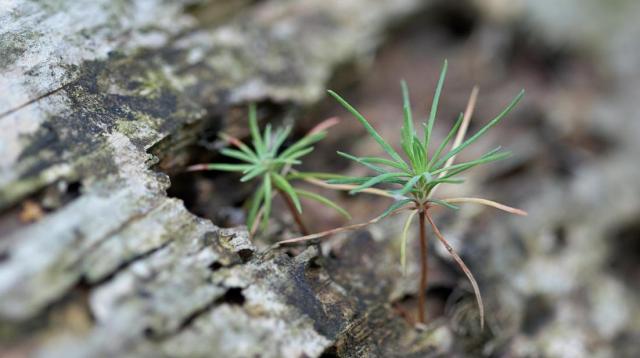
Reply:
x=101, y=100
x=98, y=96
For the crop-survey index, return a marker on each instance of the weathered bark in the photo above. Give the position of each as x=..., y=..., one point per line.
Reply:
x=94, y=95
x=118, y=268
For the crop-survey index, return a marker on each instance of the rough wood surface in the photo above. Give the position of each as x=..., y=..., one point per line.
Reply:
x=96, y=97
x=116, y=267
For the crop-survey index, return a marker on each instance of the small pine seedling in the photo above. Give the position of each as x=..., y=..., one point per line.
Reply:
x=419, y=175
x=269, y=161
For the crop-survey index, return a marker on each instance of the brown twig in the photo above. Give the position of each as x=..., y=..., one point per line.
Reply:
x=465, y=269
x=294, y=212
x=256, y=222
x=324, y=125
x=340, y=229
x=326, y=185
x=462, y=131
x=402, y=312
x=487, y=202
x=197, y=167
x=231, y=140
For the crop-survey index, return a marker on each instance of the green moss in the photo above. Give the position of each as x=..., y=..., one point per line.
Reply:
x=108, y=96
x=14, y=45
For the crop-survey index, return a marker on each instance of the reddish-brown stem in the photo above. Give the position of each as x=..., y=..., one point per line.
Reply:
x=294, y=212
x=423, y=267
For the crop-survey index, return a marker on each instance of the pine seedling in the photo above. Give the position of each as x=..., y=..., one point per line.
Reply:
x=267, y=161
x=417, y=175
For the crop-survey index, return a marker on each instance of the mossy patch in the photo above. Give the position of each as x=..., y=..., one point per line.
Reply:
x=13, y=46
x=127, y=95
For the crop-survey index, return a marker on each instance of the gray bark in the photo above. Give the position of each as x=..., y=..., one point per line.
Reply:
x=88, y=91
x=103, y=95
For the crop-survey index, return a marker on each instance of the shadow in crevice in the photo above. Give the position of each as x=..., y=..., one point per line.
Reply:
x=330, y=352
x=71, y=312
x=35, y=207
x=624, y=257
x=214, y=195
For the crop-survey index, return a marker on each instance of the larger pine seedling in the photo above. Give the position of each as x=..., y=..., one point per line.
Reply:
x=418, y=173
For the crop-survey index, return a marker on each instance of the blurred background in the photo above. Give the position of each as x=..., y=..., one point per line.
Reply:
x=562, y=282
